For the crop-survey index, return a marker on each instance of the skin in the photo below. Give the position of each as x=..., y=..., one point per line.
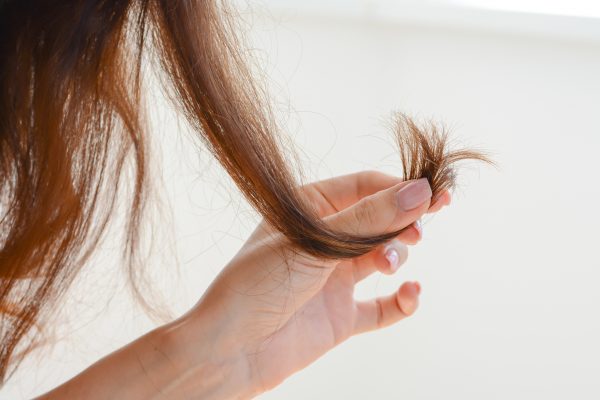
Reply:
x=271, y=311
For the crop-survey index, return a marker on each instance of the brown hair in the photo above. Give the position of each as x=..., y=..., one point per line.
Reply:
x=72, y=136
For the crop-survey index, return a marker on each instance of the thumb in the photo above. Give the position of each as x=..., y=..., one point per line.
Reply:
x=386, y=211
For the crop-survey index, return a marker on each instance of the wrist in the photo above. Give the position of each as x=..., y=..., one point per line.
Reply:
x=207, y=365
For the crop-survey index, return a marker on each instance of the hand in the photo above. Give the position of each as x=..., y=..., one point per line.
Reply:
x=275, y=311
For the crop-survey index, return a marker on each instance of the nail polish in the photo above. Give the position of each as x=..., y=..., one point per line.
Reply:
x=419, y=227
x=396, y=254
x=393, y=258
x=414, y=194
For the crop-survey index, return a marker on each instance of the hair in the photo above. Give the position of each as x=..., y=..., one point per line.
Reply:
x=73, y=135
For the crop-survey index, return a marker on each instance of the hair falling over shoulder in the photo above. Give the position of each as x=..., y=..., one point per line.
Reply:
x=72, y=133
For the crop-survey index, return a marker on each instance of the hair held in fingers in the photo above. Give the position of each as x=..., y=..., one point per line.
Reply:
x=425, y=152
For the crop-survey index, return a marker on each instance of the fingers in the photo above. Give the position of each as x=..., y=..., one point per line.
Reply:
x=335, y=194
x=441, y=200
x=385, y=259
x=387, y=210
x=412, y=234
x=384, y=311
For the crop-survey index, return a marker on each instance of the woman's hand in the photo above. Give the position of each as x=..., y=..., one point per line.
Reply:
x=275, y=311
x=272, y=311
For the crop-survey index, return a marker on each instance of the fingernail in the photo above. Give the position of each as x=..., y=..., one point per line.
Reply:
x=419, y=227
x=395, y=252
x=393, y=258
x=414, y=194
x=418, y=286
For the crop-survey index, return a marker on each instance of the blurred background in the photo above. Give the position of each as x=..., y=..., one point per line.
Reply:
x=509, y=271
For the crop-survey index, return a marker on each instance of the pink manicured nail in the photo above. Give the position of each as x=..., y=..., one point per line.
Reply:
x=419, y=227
x=418, y=286
x=414, y=194
x=393, y=258
x=396, y=253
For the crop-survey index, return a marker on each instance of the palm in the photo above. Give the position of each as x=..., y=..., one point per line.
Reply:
x=323, y=322
x=329, y=314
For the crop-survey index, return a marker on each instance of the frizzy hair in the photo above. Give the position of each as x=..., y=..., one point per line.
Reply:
x=72, y=134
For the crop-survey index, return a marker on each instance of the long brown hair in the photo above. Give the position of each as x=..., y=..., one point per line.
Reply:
x=72, y=135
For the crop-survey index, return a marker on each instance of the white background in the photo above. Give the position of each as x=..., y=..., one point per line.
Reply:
x=510, y=271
